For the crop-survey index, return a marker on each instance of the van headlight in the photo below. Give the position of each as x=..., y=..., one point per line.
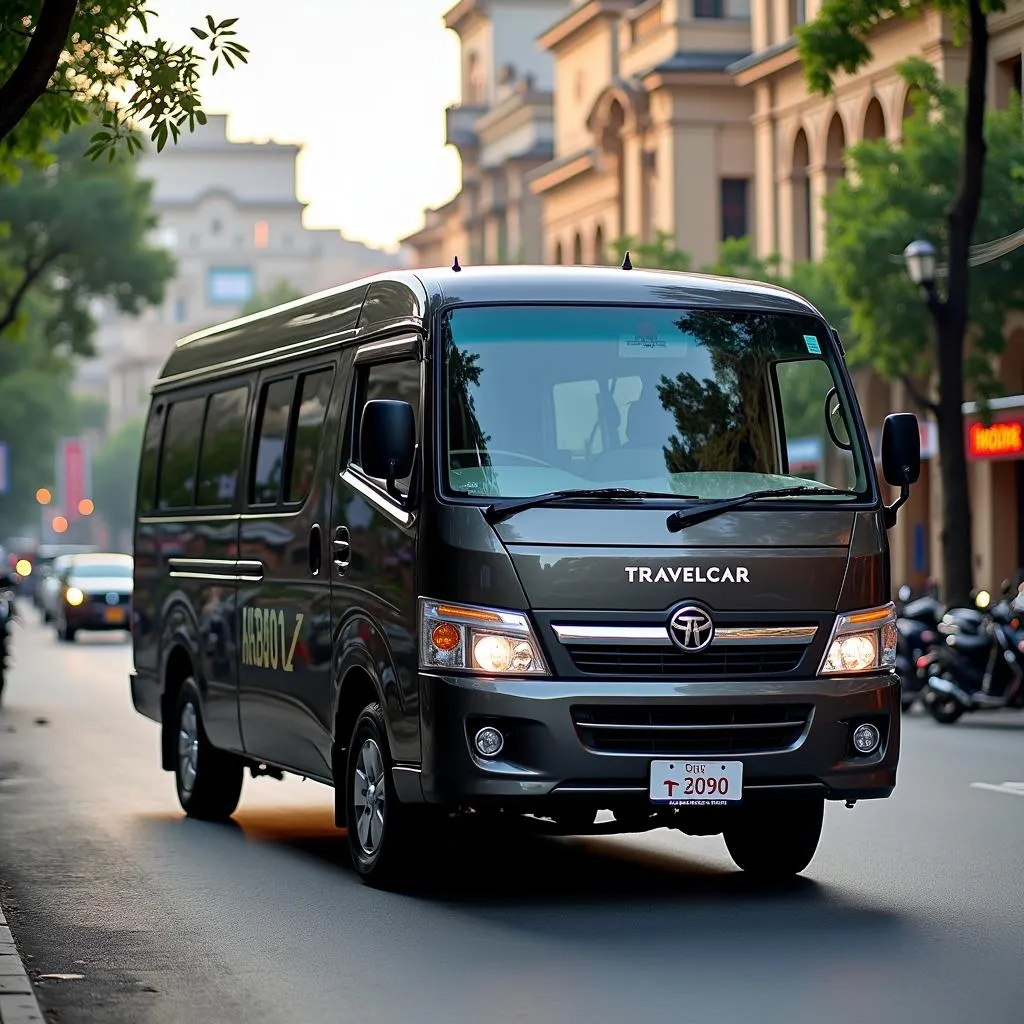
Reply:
x=485, y=640
x=861, y=642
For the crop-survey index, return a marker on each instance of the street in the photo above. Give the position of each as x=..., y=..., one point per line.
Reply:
x=913, y=909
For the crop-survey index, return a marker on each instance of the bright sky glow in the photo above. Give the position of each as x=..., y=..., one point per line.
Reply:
x=361, y=85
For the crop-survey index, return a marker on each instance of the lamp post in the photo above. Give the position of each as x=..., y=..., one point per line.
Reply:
x=919, y=258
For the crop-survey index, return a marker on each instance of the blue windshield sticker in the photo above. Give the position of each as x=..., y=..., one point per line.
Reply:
x=812, y=344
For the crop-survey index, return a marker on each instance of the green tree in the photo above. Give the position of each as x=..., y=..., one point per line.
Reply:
x=838, y=40
x=115, y=469
x=78, y=232
x=63, y=62
x=277, y=294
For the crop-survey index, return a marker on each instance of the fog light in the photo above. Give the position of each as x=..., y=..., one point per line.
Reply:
x=866, y=738
x=488, y=741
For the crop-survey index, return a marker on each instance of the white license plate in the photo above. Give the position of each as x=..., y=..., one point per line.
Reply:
x=687, y=783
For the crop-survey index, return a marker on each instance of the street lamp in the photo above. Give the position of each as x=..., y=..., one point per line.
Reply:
x=919, y=258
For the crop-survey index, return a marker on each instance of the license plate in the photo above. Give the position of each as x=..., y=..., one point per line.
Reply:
x=114, y=615
x=686, y=783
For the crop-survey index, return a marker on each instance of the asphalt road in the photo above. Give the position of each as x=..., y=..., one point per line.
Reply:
x=913, y=909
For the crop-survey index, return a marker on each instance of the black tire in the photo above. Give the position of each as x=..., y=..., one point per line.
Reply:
x=208, y=780
x=383, y=856
x=776, y=840
x=944, y=709
x=65, y=633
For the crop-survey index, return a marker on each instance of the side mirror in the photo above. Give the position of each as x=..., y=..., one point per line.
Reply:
x=387, y=442
x=901, y=458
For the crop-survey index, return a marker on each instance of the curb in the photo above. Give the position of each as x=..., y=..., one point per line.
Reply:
x=18, y=1003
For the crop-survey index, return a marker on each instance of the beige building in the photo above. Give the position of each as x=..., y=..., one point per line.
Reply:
x=799, y=142
x=651, y=133
x=503, y=129
x=228, y=213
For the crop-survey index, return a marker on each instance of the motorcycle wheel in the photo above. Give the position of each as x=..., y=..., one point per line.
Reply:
x=943, y=708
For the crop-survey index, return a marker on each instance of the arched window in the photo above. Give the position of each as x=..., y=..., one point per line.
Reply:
x=600, y=256
x=577, y=250
x=802, y=219
x=558, y=254
x=874, y=121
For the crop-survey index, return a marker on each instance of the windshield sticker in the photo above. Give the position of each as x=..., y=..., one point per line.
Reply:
x=645, y=343
x=812, y=344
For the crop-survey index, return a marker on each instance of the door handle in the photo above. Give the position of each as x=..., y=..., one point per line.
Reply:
x=342, y=545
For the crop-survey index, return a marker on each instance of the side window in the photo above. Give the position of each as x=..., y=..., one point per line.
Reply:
x=180, y=453
x=314, y=397
x=220, y=454
x=399, y=381
x=150, y=458
x=812, y=451
x=271, y=433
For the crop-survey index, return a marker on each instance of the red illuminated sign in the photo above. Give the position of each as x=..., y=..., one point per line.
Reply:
x=998, y=441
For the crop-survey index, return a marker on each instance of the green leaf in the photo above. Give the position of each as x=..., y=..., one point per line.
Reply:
x=199, y=33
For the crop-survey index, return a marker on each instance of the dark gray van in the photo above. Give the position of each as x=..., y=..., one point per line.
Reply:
x=550, y=541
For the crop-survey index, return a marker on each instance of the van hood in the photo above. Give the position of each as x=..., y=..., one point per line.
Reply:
x=627, y=560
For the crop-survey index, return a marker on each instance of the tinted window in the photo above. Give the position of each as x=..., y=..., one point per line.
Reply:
x=180, y=452
x=314, y=396
x=150, y=458
x=272, y=432
x=398, y=381
x=221, y=451
x=713, y=403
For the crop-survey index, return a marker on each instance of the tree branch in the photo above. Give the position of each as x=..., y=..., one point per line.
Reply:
x=32, y=274
x=918, y=396
x=29, y=79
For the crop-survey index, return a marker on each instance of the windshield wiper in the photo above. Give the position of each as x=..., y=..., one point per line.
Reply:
x=494, y=513
x=687, y=517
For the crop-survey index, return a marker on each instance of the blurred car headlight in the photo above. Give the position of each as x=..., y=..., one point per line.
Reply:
x=74, y=597
x=23, y=567
x=484, y=640
x=861, y=641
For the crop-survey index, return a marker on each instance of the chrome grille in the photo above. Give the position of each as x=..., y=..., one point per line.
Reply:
x=646, y=650
x=690, y=729
x=607, y=660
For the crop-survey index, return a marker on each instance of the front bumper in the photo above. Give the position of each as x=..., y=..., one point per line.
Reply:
x=91, y=616
x=550, y=756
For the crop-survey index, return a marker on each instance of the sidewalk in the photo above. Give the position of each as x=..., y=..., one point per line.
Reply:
x=17, y=1000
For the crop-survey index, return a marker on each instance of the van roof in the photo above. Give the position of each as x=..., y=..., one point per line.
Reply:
x=409, y=298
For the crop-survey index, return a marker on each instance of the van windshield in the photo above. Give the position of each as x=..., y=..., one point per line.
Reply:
x=709, y=402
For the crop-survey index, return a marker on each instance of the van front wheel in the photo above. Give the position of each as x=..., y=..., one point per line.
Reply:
x=381, y=831
x=774, y=841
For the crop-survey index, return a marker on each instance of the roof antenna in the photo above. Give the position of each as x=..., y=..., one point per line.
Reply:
x=626, y=263
x=456, y=266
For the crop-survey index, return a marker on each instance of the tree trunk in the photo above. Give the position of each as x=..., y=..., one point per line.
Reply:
x=29, y=79
x=957, y=545
x=951, y=319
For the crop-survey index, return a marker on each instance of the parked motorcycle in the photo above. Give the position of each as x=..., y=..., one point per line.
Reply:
x=7, y=610
x=978, y=671
x=922, y=623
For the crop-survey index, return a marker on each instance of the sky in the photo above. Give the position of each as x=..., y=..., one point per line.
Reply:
x=361, y=84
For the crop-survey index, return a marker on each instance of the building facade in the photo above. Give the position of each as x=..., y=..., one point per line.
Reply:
x=651, y=134
x=800, y=139
x=503, y=129
x=228, y=213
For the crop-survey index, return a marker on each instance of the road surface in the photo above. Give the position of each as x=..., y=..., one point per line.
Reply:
x=913, y=909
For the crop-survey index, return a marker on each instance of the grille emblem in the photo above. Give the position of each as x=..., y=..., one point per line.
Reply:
x=691, y=628
x=113, y=599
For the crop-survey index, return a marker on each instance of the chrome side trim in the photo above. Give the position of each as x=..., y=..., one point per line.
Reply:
x=378, y=500
x=725, y=636
x=221, y=570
